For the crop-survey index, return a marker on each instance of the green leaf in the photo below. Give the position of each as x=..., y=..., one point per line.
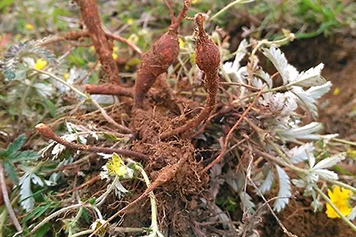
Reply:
x=76, y=60
x=11, y=172
x=85, y=215
x=6, y=3
x=42, y=230
x=37, y=212
x=110, y=137
x=24, y=156
x=51, y=107
x=16, y=145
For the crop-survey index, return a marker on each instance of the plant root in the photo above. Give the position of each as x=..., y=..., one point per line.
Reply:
x=208, y=60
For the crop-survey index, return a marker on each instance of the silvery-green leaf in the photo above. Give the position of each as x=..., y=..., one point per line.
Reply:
x=311, y=160
x=267, y=183
x=119, y=189
x=246, y=201
x=283, y=103
x=290, y=104
x=82, y=140
x=312, y=177
x=26, y=200
x=305, y=100
x=43, y=90
x=231, y=68
x=306, y=132
x=299, y=183
x=301, y=153
x=71, y=128
x=55, y=176
x=316, y=92
x=265, y=77
x=278, y=59
x=330, y=161
x=351, y=216
x=284, y=190
x=310, y=77
x=36, y=180
x=326, y=174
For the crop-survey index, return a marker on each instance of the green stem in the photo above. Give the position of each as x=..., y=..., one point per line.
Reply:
x=154, y=224
x=228, y=6
x=279, y=152
x=85, y=232
x=86, y=96
x=23, y=100
x=57, y=213
x=344, y=141
x=348, y=222
x=341, y=184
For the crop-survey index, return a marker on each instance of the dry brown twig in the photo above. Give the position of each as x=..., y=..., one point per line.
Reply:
x=90, y=181
x=230, y=134
x=7, y=200
x=108, y=89
x=47, y=132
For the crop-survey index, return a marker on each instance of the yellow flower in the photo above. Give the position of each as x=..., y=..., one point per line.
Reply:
x=92, y=49
x=181, y=43
x=336, y=91
x=195, y=1
x=114, y=56
x=40, y=64
x=340, y=198
x=29, y=27
x=115, y=49
x=116, y=166
x=66, y=76
x=130, y=21
x=133, y=38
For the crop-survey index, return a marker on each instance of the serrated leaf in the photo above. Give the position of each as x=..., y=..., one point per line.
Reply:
x=326, y=174
x=267, y=183
x=43, y=90
x=246, y=201
x=330, y=161
x=240, y=54
x=301, y=153
x=25, y=156
x=16, y=145
x=27, y=202
x=306, y=132
x=265, y=77
x=278, y=59
x=284, y=190
x=15, y=53
x=11, y=172
x=307, y=99
x=316, y=92
x=311, y=77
